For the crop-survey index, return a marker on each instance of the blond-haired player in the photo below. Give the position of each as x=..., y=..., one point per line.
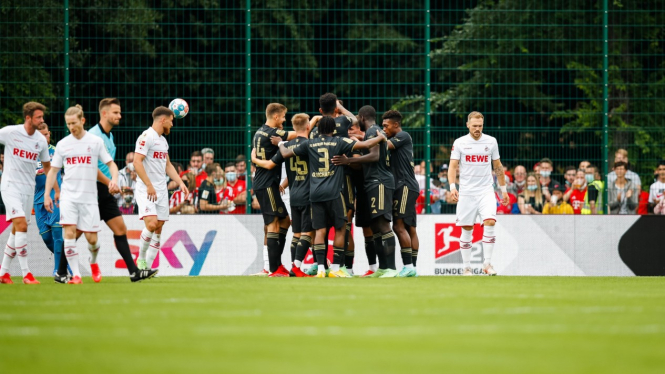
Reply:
x=476, y=154
x=79, y=153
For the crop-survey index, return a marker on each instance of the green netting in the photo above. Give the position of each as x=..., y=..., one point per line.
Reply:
x=535, y=69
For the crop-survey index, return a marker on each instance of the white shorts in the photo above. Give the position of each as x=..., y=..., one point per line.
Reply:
x=159, y=208
x=470, y=206
x=18, y=204
x=84, y=216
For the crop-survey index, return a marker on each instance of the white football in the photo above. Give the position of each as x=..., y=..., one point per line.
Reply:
x=179, y=107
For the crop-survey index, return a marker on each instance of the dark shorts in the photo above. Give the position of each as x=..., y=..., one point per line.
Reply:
x=380, y=201
x=271, y=204
x=46, y=220
x=108, y=205
x=330, y=213
x=301, y=218
x=404, y=205
x=347, y=192
x=363, y=216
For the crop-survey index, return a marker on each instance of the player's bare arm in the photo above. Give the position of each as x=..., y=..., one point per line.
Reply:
x=286, y=153
x=51, y=178
x=140, y=171
x=452, y=177
x=265, y=164
x=173, y=174
x=113, y=169
x=346, y=112
x=372, y=156
x=283, y=186
x=501, y=180
x=367, y=144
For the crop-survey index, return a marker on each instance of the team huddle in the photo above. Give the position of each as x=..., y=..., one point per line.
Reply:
x=74, y=186
x=338, y=166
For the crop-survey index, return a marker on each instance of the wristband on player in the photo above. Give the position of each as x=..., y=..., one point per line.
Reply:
x=280, y=143
x=452, y=187
x=503, y=189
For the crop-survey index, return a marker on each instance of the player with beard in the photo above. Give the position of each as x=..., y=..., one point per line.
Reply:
x=326, y=182
x=406, y=190
x=298, y=176
x=473, y=154
x=379, y=186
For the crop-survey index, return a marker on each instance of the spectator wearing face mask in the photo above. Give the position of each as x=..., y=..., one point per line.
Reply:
x=126, y=179
x=622, y=195
x=207, y=198
x=531, y=201
x=557, y=205
x=547, y=184
x=519, y=183
x=220, y=187
x=444, y=189
x=235, y=190
x=576, y=192
x=593, y=200
x=127, y=206
x=181, y=204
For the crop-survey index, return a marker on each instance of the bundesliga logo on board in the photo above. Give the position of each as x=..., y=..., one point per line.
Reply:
x=447, y=255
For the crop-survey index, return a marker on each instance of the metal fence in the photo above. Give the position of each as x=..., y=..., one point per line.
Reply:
x=558, y=79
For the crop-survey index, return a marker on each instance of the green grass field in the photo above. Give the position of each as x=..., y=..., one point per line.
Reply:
x=260, y=325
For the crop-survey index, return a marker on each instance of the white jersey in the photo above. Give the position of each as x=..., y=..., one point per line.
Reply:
x=22, y=153
x=655, y=191
x=79, y=158
x=155, y=149
x=475, y=162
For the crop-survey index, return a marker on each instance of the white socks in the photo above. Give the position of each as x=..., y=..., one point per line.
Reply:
x=409, y=266
x=72, y=256
x=146, y=238
x=374, y=267
x=21, y=241
x=10, y=253
x=465, y=246
x=322, y=267
x=94, y=251
x=297, y=263
x=334, y=267
x=266, y=260
x=488, y=243
x=154, y=249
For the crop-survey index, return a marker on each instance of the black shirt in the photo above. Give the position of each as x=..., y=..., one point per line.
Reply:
x=207, y=193
x=402, y=161
x=343, y=124
x=297, y=172
x=376, y=173
x=326, y=179
x=265, y=150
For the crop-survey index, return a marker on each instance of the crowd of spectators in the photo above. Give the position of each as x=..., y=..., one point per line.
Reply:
x=538, y=189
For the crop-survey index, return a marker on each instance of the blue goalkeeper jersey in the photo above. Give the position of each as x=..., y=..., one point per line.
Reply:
x=108, y=143
x=40, y=179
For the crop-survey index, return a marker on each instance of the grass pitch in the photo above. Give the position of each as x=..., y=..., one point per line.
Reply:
x=260, y=325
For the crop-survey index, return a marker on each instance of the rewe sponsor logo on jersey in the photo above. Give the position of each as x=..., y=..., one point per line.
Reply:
x=25, y=154
x=160, y=155
x=78, y=160
x=447, y=255
x=477, y=158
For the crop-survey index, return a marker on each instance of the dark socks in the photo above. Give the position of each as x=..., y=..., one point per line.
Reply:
x=320, y=253
x=302, y=247
x=407, y=256
x=122, y=246
x=337, y=255
x=414, y=255
x=348, y=254
x=378, y=246
x=369, y=250
x=274, y=253
x=282, y=240
x=58, y=245
x=388, y=239
x=294, y=244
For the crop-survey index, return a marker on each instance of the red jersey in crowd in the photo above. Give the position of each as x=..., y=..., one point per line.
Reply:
x=577, y=200
x=231, y=192
x=508, y=209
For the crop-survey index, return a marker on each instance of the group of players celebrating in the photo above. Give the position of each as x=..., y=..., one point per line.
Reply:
x=76, y=202
x=337, y=164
